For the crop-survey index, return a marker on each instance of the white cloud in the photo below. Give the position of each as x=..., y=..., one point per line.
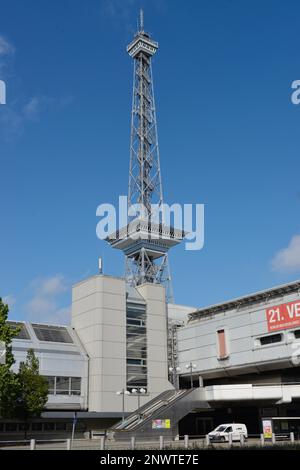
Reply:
x=15, y=116
x=6, y=48
x=31, y=108
x=288, y=259
x=44, y=306
x=7, y=51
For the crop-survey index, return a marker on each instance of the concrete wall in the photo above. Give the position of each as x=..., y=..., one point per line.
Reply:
x=244, y=326
x=99, y=317
x=179, y=312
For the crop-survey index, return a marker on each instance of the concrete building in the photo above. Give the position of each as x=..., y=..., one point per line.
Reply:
x=125, y=336
x=244, y=355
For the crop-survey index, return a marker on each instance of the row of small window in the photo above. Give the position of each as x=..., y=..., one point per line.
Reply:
x=34, y=427
x=52, y=333
x=64, y=385
x=136, y=322
x=136, y=361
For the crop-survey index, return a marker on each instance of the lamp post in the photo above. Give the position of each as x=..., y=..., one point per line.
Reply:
x=175, y=371
x=123, y=392
x=138, y=392
x=190, y=367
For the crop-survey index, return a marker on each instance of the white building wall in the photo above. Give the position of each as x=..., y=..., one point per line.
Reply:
x=99, y=317
x=179, y=313
x=56, y=359
x=197, y=341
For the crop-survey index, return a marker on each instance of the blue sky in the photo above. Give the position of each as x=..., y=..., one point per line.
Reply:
x=228, y=132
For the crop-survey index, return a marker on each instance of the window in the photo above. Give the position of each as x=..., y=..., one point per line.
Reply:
x=49, y=426
x=37, y=426
x=55, y=334
x=222, y=346
x=23, y=427
x=136, y=347
x=61, y=426
x=270, y=339
x=62, y=385
x=51, y=385
x=297, y=334
x=75, y=385
x=11, y=427
x=23, y=333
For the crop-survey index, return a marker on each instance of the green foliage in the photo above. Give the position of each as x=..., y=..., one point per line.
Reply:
x=33, y=388
x=8, y=380
x=25, y=394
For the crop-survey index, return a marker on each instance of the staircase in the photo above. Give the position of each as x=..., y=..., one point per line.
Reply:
x=170, y=404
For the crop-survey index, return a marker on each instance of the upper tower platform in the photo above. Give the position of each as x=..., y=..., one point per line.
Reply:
x=142, y=42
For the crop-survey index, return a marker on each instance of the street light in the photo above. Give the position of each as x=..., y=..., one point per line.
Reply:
x=190, y=367
x=123, y=392
x=139, y=392
x=175, y=371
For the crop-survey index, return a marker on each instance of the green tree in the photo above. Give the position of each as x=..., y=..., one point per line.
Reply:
x=8, y=379
x=33, y=389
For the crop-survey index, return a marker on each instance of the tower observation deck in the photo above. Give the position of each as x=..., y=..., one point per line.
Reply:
x=146, y=239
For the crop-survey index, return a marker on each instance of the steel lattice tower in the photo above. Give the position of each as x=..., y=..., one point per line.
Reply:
x=146, y=240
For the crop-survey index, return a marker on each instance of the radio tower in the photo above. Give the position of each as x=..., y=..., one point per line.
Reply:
x=146, y=239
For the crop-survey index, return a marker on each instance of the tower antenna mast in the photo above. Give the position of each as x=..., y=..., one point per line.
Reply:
x=141, y=20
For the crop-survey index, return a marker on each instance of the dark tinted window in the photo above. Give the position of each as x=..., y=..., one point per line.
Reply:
x=271, y=339
x=55, y=334
x=23, y=333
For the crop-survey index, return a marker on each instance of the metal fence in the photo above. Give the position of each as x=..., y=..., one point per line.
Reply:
x=181, y=442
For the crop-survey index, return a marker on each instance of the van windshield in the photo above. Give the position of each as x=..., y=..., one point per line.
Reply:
x=220, y=428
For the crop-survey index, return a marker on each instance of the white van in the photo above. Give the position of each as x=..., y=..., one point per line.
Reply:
x=222, y=432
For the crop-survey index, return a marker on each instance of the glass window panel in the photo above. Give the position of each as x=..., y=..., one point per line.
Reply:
x=136, y=346
x=49, y=426
x=23, y=333
x=75, y=385
x=37, y=426
x=56, y=334
x=62, y=385
x=23, y=426
x=61, y=426
x=51, y=384
x=11, y=427
x=270, y=339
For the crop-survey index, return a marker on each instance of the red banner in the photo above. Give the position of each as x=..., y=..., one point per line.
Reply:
x=284, y=316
